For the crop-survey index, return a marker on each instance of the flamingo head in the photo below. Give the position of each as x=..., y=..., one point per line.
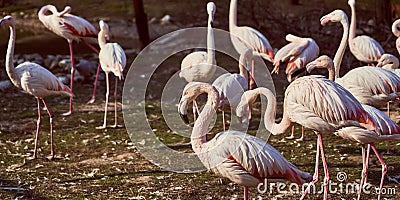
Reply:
x=7, y=21
x=66, y=10
x=334, y=16
x=243, y=108
x=104, y=27
x=351, y=2
x=388, y=61
x=211, y=8
x=323, y=61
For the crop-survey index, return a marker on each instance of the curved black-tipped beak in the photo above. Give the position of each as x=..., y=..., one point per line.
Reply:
x=184, y=118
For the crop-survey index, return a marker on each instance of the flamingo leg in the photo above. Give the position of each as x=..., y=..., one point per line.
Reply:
x=388, y=114
x=302, y=138
x=115, y=105
x=39, y=122
x=51, y=131
x=367, y=162
x=324, y=163
x=316, y=173
x=95, y=85
x=71, y=54
x=97, y=72
x=91, y=46
x=223, y=119
x=384, y=168
x=363, y=172
x=195, y=108
x=105, y=108
x=252, y=83
x=245, y=193
x=291, y=137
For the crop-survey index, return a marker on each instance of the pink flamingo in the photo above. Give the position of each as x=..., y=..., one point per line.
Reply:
x=244, y=37
x=112, y=59
x=297, y=54
x=231, y=86
x=315, y=103
x=200, y=66
x=72, y=28
x=33, y=79
x=389, y=62
x=370, y=85
x=396, y=32
x=386, y=128
x=364, y=48
x=242, y=158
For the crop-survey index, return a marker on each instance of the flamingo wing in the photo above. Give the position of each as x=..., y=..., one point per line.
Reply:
x=247, y=160
x=372, y=85
x=112, y=58
x=320, y=104
x=194, y=67
x=244, y=37
x=231, y=87
x=385, y=124
x=40, y=82
x=366, y=49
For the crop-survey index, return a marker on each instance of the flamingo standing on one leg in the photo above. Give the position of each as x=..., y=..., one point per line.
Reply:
x=387, y=129
x=33, y=79
x=244, y=159
x=72, y=28
x=112, y=59
x=231, y=86
x=200, y=66
x=370, y=85
x=315, y=103
x=244, y=37
x=364, y=48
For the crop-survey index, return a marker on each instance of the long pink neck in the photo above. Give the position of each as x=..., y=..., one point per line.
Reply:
x=352, y=33
x=269, y=116
x=337, y=60
x=232, y=14
x=200, y=129
x=9, y=59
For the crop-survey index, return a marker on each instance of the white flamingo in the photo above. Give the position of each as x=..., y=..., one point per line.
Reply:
x=389, y=62
x=396, y=32
x=244, y=37
x=364, y=48
x=200, y=66
x=231, y=86
x=242, y=158
x=35, y=80
x=112, y=59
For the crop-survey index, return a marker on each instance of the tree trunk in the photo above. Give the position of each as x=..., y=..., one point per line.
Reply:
x=141, y=23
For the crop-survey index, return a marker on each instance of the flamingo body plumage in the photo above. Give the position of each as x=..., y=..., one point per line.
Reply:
x=244, y=159
x=364, y=48
x=35, y=80
x=297, y=54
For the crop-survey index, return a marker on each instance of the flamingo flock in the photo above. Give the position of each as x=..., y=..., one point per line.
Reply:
x=346, y=106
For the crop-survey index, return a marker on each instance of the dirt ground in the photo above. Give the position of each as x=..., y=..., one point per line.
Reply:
x=104, y=164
